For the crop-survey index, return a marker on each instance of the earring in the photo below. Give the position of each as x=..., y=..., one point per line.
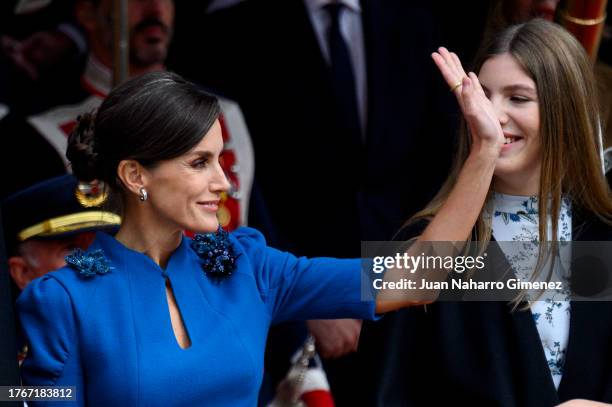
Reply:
x=143, y=194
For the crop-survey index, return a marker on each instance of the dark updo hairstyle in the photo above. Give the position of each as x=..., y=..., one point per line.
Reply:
x=153, y=117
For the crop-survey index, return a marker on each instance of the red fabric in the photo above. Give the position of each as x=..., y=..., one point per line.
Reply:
x=67, y=127
x=91, y=89
x=229, y=206
x=318, y=398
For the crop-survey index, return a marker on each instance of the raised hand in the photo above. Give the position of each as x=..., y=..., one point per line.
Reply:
x=477, y=109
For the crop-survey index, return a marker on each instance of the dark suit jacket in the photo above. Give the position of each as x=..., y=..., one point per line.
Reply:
x=324, y=191
x=482, y=354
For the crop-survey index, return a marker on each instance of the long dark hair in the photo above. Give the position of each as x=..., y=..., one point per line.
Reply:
x=154, y=117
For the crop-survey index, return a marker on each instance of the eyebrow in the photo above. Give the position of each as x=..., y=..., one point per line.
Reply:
x=203, y=153
x=515, y=87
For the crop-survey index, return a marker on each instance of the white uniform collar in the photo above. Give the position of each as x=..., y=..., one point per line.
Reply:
x=97, y=78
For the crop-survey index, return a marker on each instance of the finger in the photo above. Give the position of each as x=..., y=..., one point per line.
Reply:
x=467, y=95
x=453, y=63
x=457, y=64
x=449, y=76
x=467, y=92
x=477, y=86
x=475, y=107
x=447, y=72
x=445, y=54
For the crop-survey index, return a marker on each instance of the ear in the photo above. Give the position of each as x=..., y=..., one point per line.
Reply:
x=133, y=175
x=85, y=13
x=19, y=270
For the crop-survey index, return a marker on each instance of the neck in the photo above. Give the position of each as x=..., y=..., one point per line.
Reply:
x=141, y=70
x=144, y=233
x=527, y=185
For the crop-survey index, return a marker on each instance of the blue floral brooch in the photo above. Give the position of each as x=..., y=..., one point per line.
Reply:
x=90, y=264
x=216, y=253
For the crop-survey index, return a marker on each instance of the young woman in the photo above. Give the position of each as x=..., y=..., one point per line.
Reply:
x=150, y=317
x=547, y=186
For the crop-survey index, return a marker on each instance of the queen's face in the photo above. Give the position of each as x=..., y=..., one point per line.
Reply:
x=514, y=97
x=184, y=192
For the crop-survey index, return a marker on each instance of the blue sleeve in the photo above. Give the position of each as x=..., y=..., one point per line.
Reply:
x=298, y=288
x=47, y=319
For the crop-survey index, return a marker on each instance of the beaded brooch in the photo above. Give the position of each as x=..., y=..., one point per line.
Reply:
x=216, y=252
x=90, y=264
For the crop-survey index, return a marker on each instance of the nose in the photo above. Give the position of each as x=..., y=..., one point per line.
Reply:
x=219, y=183
x=500, y=111
x=155, y=7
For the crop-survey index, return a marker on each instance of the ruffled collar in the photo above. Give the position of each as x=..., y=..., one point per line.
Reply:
x=515, y=204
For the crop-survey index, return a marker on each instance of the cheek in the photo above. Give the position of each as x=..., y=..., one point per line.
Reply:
x=528, y=122
x=177, y=197
x=534, y=127
x=175, y=190
x=535, y=138
x=134, y=14
x=169, y=15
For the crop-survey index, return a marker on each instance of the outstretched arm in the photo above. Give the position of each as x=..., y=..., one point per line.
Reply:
x=457, y=216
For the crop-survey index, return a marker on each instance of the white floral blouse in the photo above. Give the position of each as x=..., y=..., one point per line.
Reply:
x=515, y=219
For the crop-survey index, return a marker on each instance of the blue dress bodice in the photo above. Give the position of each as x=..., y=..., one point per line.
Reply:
x=111, y=335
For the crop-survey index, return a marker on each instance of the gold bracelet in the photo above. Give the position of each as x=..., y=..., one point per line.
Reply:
x=583, y=21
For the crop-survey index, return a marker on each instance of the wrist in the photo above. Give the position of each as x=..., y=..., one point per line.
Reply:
x=484, y=153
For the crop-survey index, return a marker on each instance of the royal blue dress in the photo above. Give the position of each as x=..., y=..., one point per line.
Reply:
x=111, y=335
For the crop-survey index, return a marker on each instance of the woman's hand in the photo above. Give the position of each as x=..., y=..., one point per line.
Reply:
x=335, y=337
x=478, y=111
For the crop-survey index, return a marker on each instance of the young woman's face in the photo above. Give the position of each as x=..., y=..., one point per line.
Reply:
x=514, y=97
x=185, y=191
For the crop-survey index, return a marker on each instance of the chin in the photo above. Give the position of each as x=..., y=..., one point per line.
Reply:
x=150, y=54
x=503, y=170
x=205, y=227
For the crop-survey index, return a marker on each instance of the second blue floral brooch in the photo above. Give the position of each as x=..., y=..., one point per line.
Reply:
x=216, y=253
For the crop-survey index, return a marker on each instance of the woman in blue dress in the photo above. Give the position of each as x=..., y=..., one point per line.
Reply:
x=150, y=317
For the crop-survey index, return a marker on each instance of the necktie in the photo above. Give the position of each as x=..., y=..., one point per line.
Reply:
x=342, y=76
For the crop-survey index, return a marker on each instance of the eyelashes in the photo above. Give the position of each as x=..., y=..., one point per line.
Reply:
x=519, y=99
x=199, y=163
